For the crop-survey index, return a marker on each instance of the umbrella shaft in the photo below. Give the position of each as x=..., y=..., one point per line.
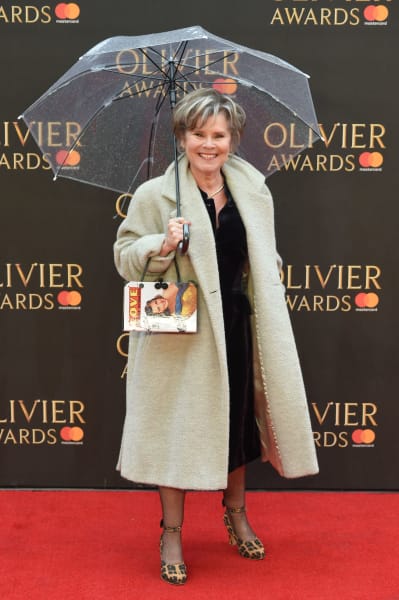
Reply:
x=178, y=213
x=172, y=86
x=172, y=99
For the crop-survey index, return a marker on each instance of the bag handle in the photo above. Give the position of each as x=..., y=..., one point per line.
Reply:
x=160, y=280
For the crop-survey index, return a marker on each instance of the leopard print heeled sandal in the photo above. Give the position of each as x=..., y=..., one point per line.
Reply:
x=176, y=573
x=253, y=548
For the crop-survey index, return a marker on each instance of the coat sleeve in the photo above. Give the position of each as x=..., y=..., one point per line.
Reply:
x=141, y=234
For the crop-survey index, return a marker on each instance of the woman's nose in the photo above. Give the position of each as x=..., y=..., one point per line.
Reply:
x=208, y=141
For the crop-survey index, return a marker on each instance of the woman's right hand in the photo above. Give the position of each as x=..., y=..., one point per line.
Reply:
x=174, y=235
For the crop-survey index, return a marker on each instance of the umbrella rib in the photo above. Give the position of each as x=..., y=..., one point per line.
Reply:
x=160, y=68
x=183, y=44
x=184, y=77
x=210, y=64
x=181, y=48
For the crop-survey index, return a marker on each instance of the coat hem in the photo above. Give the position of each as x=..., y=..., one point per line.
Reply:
x=149, y=482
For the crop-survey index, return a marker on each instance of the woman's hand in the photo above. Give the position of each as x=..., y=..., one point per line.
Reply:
x=174, y=235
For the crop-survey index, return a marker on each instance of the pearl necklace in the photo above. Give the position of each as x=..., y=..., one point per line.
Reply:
x=216, y=193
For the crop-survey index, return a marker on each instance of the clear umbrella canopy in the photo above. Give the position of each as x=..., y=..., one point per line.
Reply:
x=115, y=106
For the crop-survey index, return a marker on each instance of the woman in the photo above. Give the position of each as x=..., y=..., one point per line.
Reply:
x=233, y=391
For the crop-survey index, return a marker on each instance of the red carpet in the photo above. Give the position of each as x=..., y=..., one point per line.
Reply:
x=96, y=545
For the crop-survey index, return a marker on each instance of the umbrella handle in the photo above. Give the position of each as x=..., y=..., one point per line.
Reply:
x=183, y=245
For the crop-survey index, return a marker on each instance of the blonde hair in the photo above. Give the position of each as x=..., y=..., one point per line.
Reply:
x=195, y=108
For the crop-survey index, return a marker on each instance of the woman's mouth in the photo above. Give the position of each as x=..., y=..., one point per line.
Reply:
x=207, y=156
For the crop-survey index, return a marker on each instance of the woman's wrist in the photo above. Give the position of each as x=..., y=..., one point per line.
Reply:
x=165, y=248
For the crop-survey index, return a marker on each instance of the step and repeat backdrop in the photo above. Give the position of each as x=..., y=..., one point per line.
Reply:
x=63, y=351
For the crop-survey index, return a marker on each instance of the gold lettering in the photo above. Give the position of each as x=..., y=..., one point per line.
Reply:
x=275, y=135
x=73, y=130
x=290, y=284
x=358, y=134
x=369, y=410
x=44, y=409
x=28, y=415
x=74, y=271
x=123, y=64
x=53, y=134
x=322, y=280
x=352, y=277
x=22, y=138
x=348, y=413
x=372, y=277
x=122, y=339
x=16, y=12
x=121, y=204
x=321, y=417
x=24, y=436
x=376, y=132
x=54, y=275
x=25, y=279
x=76, y=410
x=58, y=411
x=328, y=138
x=229, y=62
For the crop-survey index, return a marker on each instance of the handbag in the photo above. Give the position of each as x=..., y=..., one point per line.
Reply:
x=160, y=306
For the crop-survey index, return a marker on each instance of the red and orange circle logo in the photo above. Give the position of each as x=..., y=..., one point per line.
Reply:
x=363, y=436
x=67, y=159
x=72, y=434
x=70, y=11
x=69, y=298
x=225, y=85
x=366, y=300
x=376, y=13
x=371, y=159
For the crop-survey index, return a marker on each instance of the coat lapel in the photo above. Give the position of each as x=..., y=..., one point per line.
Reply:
x=255, y=206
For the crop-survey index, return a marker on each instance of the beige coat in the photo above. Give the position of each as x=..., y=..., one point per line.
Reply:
x=177, y=415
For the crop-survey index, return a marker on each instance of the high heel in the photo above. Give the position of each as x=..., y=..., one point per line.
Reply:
x=252, y=549
x=172, y=573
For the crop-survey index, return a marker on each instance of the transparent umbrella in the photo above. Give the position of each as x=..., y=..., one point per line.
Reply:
x=119, y=96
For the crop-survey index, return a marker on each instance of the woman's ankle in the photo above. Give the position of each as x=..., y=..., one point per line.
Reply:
x=171, y=547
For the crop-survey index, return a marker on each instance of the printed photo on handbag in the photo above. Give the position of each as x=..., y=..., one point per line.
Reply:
x=160, y=306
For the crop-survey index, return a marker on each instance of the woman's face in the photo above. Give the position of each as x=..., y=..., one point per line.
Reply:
x=207, y=147
x=158, y=305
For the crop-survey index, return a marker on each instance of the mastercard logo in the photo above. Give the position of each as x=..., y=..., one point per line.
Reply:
x=371, y=159
x=70, y=11
x=376, y=13
x=72, y=298
x=225, y=85
x=369, y=300
x=363, y=436
x=72, y=434
x=67, y=159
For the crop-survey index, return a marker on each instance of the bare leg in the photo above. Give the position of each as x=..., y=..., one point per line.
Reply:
x=172, y=502
x=234, y=497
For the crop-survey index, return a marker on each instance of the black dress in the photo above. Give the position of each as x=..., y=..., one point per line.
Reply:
x=232, y=255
